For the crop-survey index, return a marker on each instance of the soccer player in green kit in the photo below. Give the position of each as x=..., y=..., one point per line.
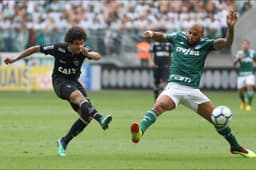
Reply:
x=189, y=53
x=245, y=57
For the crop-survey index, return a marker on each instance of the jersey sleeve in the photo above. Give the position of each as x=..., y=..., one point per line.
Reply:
x=171, y=37
x=210, y=44
x=238, y=54
x=48, y=49
x=89, y=50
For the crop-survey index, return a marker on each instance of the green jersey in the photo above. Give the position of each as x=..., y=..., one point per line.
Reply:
x=188, y=61
x=246, y=63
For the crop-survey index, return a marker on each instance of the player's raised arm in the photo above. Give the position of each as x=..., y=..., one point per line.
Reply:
x=157, y=36
x=227, y=42
x=91, y=54
x=23, y=54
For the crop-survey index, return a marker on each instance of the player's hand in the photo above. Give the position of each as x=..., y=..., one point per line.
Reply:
x=148, y=34
x=9, y=60
x=231, y=18
x=241, y=57
x=152, y=65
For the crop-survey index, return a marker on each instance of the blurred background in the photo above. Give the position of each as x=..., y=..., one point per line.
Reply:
x=114, y=28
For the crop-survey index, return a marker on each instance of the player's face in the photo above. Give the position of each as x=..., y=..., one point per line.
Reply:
x=194, y=35
x=76, y=46
x=245, y=45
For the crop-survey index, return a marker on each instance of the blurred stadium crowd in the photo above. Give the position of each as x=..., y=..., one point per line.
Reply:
x=113, y=26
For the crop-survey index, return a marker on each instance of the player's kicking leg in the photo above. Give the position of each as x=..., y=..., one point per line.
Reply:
x=205, y=110
x=235, y=147
x=87, y=109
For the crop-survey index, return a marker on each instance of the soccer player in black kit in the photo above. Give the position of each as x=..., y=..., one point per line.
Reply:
x=160, y=61
x=69, y=57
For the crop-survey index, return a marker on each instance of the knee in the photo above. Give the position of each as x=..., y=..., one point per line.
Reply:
x=86, y=119
x=77, y=97
x=160, y=107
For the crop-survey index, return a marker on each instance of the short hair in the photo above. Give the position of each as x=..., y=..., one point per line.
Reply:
x=75, y=33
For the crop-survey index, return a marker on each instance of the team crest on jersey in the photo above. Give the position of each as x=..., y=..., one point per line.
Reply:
x=61, y=50
x=197, y=47
x=76, y=62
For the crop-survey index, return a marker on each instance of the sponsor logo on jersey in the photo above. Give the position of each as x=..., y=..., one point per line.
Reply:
x=67, y=71
x=188, y=51
x=197, y=47
x=247, y=60
x=61, y=50
x=162, y=54
x=48, y=47
x=180, y=78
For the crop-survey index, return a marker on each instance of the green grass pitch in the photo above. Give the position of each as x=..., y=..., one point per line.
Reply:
x=31, y=123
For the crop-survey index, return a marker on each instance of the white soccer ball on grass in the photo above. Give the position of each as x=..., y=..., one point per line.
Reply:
x=221, y=116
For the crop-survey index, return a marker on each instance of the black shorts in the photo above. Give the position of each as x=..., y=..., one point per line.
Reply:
x=63, y=89
x=161, y=74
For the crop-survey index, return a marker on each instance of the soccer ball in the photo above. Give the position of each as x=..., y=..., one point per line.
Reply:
x=221, y=115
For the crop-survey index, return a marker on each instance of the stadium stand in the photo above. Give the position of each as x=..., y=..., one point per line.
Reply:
x=113, y=26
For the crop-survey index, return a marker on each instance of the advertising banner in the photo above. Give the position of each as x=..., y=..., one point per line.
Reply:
x=19, y=78
x=13, y=78
x=40, y=78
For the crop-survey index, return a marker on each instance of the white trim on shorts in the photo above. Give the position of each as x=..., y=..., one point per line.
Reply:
x=188, y=96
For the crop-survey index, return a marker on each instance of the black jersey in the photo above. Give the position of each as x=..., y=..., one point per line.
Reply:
x=162, y=53
x=66, y=65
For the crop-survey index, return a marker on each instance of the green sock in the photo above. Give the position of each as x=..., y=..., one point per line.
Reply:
x=241, y=96
x=148, y=119
x=250, y=94
x=226, y=132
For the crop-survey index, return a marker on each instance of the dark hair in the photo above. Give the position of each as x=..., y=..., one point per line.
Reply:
x=75, y=33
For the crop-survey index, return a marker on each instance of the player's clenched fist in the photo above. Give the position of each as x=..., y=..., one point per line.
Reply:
x=148, y=34
x=8, y=60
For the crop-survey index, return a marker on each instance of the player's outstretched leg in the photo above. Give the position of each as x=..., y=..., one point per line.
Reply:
x=76, y=128
x=235, y=147
x=88, y=109
x=137, y=130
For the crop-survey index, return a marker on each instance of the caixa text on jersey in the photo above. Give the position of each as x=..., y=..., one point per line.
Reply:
x=67, y=71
